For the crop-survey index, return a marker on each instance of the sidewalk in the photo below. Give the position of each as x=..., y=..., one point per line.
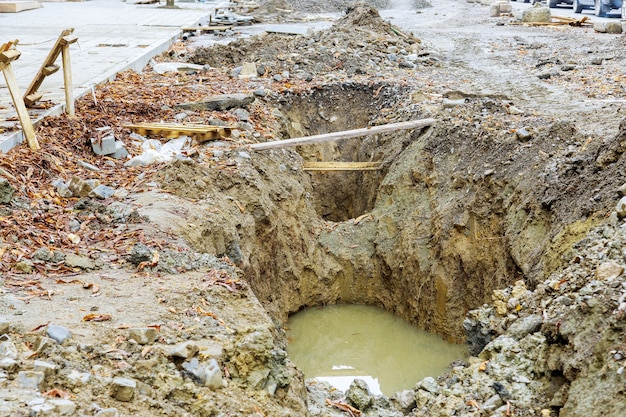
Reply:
x=112, y=36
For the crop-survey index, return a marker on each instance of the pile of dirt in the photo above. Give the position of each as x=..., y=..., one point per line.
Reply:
x=313, y=6
x=359, y=43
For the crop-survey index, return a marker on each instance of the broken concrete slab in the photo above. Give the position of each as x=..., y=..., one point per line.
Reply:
x=220, y=102
x=288, y=30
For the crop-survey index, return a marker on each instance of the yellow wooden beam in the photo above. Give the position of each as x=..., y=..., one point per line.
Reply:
x=341, y=166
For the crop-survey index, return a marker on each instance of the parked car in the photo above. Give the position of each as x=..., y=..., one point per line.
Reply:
x=600, y=7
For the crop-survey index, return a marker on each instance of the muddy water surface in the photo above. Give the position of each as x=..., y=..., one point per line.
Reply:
x=343, y=342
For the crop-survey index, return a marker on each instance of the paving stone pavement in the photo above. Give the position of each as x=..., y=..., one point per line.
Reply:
x=113, y=36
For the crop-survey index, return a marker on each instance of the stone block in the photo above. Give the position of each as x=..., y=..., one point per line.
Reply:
x=494, y=10
x=104, y=146
x=608, y=27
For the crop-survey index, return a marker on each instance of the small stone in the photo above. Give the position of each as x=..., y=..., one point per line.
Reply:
x=5, y=325
x=58, y=333
x=30, y=379
x=107, y=412
x=24, y=266
x=121, y=193
x=77, y=377
x=42, y=254
x=143, y=335
x=87, y=165
x=41, y=409
x=208, y=374
x=6, y=191
x=62, y=406
x=79, y=187
x=428, y=384
x=285, y=75
x=63, y=190
x=492, y=403
x=359, y=395
x=597, y=60
x=526, y=325
x=523, y=135
x=404, y=400
x=620, y=209
x=622, y=190
x=234, y=73
x=8, y=350
x=260, y=92
x=120, y=150
x=140, y=253
x=608, y=271
x=244, y=155
x=102, y=192
x=501, y=307
x=277, y=77
x=242, y=115
x=74, y=225
x=501, y=391
x=248, y=70
x=123, y=389
x=77, y=261
x=46, y=367
x=184, y=350
x=180, y=116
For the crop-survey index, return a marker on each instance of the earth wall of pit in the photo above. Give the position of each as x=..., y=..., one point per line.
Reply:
x=455, y=212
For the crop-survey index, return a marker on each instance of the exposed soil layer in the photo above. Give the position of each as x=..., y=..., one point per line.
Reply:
x=508, y=203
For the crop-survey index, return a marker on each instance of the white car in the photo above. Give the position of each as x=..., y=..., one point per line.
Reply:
x=600, y=7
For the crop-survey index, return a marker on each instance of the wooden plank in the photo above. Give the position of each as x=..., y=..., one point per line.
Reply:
x=346, y=134
x=201, y=133
x=50, y=59
x=206, y=28
x=341, y=166
x=20, y=107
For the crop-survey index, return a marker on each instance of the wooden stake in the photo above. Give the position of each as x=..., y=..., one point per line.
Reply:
x=346, y=134
x=67, y=80
x=6, y=57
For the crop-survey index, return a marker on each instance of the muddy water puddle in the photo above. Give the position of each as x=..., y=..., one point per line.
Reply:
x=339, y=343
